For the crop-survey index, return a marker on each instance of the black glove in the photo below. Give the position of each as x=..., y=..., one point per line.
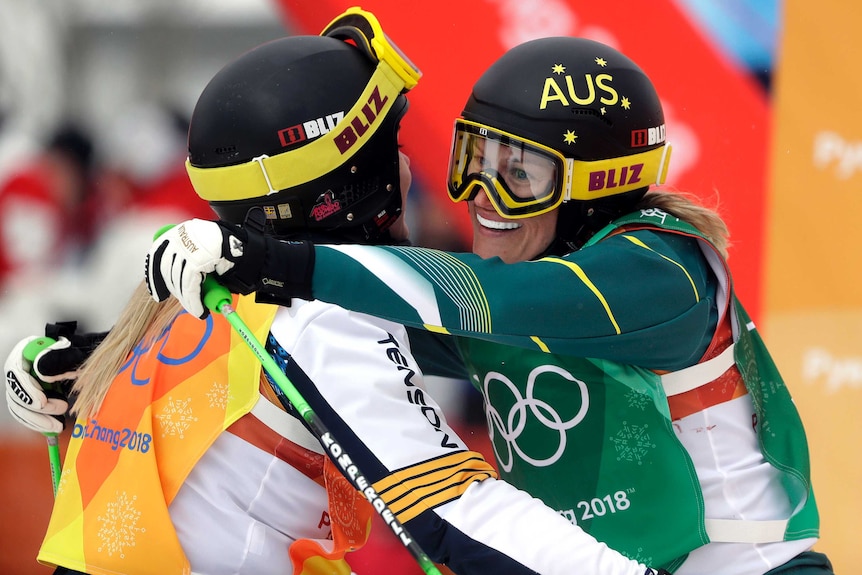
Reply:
x=277, y=270
x=244, y=258
x=62, y=363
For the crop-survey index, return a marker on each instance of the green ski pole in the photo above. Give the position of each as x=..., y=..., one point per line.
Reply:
x=218, y=299
x=31, y=350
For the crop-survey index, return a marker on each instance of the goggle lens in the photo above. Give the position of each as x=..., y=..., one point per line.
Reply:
x=520, y=178
x=523, y=178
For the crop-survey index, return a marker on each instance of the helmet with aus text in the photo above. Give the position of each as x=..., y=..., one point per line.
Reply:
x=582, y=112
x=305, y=127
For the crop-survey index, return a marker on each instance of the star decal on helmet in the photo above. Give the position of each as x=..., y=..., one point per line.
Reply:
x=625, y=103
x=558, y=69
x=569, y=137
x=601, y=62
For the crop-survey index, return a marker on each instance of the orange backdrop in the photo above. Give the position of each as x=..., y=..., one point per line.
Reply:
x=813, y=280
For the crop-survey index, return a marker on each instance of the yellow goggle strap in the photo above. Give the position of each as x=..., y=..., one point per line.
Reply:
x=267, y=175
x=602, y=178
x=584, y=181
x=378, y=42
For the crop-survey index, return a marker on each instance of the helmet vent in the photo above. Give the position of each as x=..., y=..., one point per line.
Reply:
x=226, y=150
x=590, y=112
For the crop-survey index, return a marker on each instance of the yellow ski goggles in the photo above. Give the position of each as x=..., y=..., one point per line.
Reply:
x=363, y=28
x=523, y=178
x=265, y=175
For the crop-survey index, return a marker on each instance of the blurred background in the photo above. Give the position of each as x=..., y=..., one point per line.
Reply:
x=95, y=98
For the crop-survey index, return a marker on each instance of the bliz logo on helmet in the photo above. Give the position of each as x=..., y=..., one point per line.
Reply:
x=326, y=206
x=648, y=137
x=309, y=130
x=356, y=128
x=598, y=87
x=604, y=179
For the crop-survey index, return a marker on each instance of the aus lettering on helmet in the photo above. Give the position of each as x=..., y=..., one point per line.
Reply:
x=564, y=123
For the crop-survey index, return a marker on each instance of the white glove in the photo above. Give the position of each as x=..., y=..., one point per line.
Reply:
x=180, y=259
x=25, y=395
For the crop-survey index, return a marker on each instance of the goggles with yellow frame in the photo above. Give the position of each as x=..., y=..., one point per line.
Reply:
x=363, y=28
x=523, y=178
x=264, y=175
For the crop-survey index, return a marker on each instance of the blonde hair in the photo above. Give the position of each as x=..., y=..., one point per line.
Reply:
x=687, y=208
x=141, y=318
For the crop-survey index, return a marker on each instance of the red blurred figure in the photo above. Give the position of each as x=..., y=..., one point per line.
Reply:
x=144, y=167
x=142, y=185
x=43, y=222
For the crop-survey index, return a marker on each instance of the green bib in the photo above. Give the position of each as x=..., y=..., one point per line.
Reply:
x=593, y=438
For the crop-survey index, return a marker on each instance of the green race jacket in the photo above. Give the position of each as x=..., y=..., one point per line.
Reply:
x=567, y=352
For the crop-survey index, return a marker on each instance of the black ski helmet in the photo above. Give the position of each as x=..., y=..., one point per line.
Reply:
x=304, y=127
x=582, y=104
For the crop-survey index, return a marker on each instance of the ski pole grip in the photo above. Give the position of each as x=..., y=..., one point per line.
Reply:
x=162, y=230
x=34, y=348
x=31, y=351
x=215, y=294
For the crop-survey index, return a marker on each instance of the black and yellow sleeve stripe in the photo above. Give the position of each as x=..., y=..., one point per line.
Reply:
x=412, y=490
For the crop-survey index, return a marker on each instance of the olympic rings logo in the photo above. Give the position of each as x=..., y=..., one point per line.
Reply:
x=512, y=426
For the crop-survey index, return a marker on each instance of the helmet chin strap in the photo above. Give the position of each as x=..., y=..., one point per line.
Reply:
x=578, y=221
x=342, y=235
x=557, y=248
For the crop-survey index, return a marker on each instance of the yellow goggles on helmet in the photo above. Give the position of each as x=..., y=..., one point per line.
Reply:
x=363, y=28
x=523, y=178
x=265, y=175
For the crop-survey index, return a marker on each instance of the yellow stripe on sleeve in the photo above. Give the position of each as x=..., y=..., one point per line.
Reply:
x=583, y=277
x=412, y=490
x=540, y=343
x=639, y=243
x=436, y=328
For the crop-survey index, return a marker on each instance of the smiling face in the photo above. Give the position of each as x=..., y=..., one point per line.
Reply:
x=526, y=176
x=511, y=240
